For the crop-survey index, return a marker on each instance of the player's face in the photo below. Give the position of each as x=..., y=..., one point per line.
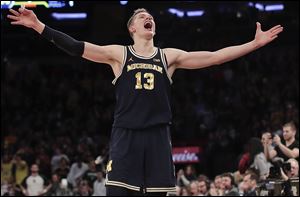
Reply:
x=144, y=25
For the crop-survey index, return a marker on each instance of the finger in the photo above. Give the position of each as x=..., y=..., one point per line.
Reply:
x=277, y=31
x=13, y=17
x=22, y=8
x=16, y=23
x=14, y=12
x=258, y=26
x=275, y=27
x=273, y=37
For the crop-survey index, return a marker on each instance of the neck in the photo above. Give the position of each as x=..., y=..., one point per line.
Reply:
x=143, y=46
x=289, y=141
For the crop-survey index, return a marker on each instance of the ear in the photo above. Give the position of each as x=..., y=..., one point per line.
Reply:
x=132, y=29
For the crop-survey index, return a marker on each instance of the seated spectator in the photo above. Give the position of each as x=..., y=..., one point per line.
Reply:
x=249, y=184
x=294, y=172
x=287, y=175
x=228, y=185
x=258, y=159
x=193, y=188
x=255, y=158
x=184, y=178
x=266, y=140
x=203, y=187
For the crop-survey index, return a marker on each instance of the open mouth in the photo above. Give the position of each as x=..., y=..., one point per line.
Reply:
x=148, y=26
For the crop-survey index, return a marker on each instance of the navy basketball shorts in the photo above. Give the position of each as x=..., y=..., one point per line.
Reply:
x=141, y=159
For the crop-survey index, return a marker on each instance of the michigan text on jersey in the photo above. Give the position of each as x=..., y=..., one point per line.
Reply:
x=144, y=66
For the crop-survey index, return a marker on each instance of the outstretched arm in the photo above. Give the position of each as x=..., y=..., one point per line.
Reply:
x=111, y=54
x=201, y=59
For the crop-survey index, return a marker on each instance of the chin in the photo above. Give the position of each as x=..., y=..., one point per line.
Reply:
x=149, y=36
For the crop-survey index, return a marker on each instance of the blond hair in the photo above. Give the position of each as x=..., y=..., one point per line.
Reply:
x=136, y=12
x=291, y=124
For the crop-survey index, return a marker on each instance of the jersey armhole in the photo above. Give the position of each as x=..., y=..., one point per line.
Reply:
x=122, y=66
x=164, y=60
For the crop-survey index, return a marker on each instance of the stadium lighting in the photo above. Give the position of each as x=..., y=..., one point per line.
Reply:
x=177, y=12
x=195, y=13
x=259, y=6
x=63, y=16
x=123, y=2
x=276, y=7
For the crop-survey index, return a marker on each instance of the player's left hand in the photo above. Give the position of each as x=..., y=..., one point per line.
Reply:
x=264, y=37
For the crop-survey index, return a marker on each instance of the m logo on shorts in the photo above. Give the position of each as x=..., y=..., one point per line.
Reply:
x=109, y=166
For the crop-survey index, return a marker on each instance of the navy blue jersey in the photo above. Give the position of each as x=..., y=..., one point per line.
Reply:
x=142, y=91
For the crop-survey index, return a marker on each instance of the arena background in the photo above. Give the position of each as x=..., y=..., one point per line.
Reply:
x=50, y=99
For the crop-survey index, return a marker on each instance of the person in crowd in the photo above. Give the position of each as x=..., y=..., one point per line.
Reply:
x=228, y=185
x=77, y=171
x=289, y=148
x=250, y=181
x=35, y=184
x=99, y=185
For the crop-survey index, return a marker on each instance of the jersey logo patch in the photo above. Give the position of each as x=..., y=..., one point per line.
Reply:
x=109, y=166
x=130, y=59
x=156, y=60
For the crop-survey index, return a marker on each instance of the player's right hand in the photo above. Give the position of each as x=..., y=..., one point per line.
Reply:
x=23, y=17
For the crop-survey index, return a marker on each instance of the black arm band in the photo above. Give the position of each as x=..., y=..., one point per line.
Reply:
x=63, y=41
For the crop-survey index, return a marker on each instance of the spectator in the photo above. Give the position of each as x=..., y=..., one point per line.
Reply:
x=35, y=184
x=266, y=140
x=99, y=185
x=258, y=160
x=55, y=184
x=203, y=187
x=91, y=174
x=6, y=169
x=63, y=169
x=55, y=161
x=218, y=181
x=194, y=188
x=250, y=181
x=290, y=147
x=76, y=172
x=20, y=169
x=228, y=185
x=294, y=172
x=184, y=178
x=63, y=189
x=83, y=189
x=287, y=175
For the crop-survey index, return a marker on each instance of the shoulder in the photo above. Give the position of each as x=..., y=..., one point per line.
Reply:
x=173, y=55
x=296, y=144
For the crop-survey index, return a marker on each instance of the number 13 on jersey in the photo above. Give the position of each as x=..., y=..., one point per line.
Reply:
x=150, y=81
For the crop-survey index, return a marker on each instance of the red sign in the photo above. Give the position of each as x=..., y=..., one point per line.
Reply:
x=186, y=154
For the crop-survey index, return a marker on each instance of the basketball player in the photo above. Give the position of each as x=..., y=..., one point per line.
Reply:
x=140, y=147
